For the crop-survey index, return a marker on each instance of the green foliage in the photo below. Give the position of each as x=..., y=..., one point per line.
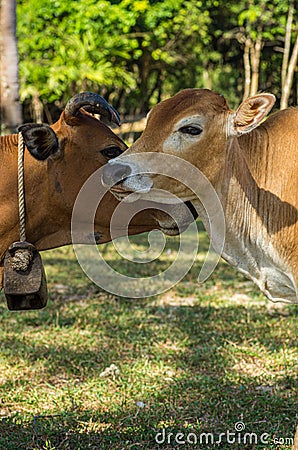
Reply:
x=72, y=46
x=138, y=52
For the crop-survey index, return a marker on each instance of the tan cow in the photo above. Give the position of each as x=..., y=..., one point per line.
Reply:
x=252, y=165
x=59, y=161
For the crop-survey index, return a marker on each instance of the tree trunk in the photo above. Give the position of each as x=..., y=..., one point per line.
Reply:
x=255, y=55
x=289, y=77
x=11, y=111
x=287, y=47
x=37, y=108
x=288, y=67
x=247, y=69
x=207, y=80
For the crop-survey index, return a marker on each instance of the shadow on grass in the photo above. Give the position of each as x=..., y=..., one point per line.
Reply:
x=199, y=368
x=212, y=351
x=262, y=428
x=116, y=324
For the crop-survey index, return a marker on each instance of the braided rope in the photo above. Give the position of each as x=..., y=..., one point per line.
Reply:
x=21, y=192
x=22, y=257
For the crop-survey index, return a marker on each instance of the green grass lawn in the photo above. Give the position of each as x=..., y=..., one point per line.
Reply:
x=198, y=359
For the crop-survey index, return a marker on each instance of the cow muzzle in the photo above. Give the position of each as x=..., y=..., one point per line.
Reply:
x=124, y=179
x=115, y=173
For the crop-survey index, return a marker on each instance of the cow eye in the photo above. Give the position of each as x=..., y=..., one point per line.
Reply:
x=111, y=152
x=191, y=129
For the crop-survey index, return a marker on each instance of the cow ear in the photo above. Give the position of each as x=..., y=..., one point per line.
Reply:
x=250, y=114
x=40, y=140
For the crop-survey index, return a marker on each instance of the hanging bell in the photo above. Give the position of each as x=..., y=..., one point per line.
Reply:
x=25, y=285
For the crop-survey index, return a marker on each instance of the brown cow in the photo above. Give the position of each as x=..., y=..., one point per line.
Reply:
x=60, y=159
x=252, y=165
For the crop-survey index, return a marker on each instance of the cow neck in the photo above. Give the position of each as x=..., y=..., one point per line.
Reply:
x=254, y=217
x=8, y=149
x=242, y=189
x=8, y=143
x=20, y=181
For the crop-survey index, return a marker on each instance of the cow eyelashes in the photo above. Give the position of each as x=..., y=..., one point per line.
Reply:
x=111, y=152
x=191, y=129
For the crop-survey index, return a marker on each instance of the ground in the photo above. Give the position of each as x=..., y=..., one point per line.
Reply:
x=200, y=366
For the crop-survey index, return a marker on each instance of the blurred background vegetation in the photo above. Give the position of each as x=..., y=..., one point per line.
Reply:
x=138, y=52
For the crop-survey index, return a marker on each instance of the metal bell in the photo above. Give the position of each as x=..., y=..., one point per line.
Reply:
x=25, y=285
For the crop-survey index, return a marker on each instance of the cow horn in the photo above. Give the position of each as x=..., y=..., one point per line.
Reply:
x=92, y=103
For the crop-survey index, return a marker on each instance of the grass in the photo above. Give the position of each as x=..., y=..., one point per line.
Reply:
x=197, y=359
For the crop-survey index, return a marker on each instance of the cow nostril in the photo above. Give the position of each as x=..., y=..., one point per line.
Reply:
x=121, y=171
x=120, y=181
x=115, y=173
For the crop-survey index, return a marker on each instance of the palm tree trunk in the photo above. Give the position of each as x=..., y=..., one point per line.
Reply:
x=11, y=111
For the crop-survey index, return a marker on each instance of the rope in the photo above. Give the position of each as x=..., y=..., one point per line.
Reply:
x=22, y=257
x=21, y=187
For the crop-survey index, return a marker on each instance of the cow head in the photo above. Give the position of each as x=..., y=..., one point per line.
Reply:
x=195, y=125
x=60, y=159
